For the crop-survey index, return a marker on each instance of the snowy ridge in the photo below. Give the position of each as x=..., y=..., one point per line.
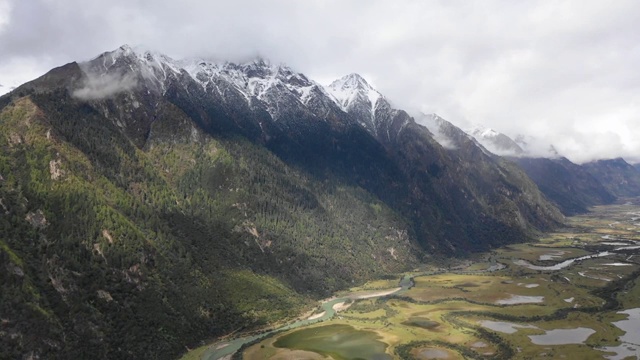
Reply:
x=255, y=80
x=262, y=86
x=153, y=66
x=496, y=142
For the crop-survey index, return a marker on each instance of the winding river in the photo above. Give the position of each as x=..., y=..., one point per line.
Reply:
x=225, y=348
x=560, y=265
x=568, y=262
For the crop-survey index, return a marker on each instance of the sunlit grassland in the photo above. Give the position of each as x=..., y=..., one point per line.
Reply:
x=444, y=310
x=377, y=285
x=389, y=318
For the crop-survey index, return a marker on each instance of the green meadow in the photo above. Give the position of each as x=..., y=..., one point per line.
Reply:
x=476, y=309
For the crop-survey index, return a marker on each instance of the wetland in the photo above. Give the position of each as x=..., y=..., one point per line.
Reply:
x=572, y=294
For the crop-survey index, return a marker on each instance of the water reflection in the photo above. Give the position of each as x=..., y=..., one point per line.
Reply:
x=630, y=346
x=520, y=299
x=505, y=327
x=562, y=336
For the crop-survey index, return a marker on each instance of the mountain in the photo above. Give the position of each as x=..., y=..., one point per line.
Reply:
x=355, y=96
x=570, y=186
x=496, y=142
x=467, y=179
x=444, y=132
x=618, y=176
x=149, y=203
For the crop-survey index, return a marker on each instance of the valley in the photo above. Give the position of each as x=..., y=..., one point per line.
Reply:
x=210, y=201
x=573, y=294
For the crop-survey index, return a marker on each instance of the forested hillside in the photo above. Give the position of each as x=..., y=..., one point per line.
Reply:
x=111, y=251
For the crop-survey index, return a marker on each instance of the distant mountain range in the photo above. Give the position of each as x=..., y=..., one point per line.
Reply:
x=572, y=187
x=150, y=203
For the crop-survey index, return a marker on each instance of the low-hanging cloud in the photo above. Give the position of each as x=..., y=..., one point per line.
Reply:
x=98, y=87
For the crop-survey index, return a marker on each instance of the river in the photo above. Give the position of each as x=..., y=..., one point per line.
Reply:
x=568, y=262
x=225, y=348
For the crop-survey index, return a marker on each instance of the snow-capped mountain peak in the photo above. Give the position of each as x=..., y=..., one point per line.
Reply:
x=139, y=55
x=354, y=95
x=152, y=66
x=351, y=81
x=353, y=88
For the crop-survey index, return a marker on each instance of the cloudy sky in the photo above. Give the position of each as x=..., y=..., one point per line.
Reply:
x=565, y=72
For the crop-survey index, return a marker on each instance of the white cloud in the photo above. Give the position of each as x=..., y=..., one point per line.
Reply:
x=97, y=87
x=5, y=11
x=555, y=70
x=18, y=70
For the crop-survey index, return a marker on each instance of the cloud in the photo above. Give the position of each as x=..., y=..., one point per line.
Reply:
x=5, y=9
x=97, y=87
x=556, y=70
x=17, y=71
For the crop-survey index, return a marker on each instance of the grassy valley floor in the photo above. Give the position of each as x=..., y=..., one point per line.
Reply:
x=510, y=303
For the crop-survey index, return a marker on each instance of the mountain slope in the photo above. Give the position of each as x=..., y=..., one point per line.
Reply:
x=217, y=235
x=618, y=176
x=466, y=194
x=569, y=185
x=161, y=202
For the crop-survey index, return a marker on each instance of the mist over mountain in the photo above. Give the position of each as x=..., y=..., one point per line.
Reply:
x=496, y=142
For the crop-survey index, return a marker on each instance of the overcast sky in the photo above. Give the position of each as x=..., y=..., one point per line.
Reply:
x=566, y=72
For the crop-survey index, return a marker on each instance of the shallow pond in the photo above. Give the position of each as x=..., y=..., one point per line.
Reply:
x=431, y=353
x=552, y=256
x=520, y=299
x=336, y=341
x=505, y=327
x=630, y=346
x=562, y=336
